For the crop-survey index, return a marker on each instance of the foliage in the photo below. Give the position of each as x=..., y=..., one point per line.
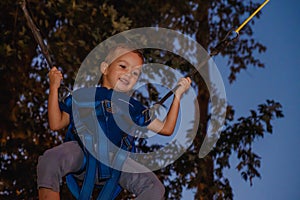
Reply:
x=72, y=29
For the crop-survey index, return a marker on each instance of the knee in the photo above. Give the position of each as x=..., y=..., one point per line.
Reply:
x=60, y=160
x=48, y=174
x=156, y=187
x=47, y=164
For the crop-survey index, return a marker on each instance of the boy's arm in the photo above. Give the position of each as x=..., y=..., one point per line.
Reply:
x=57, y=118
x=167, y=126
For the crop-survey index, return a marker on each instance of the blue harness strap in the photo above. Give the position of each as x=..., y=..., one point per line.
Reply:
x=86, y=137
x=89, y=179
x=109, y=191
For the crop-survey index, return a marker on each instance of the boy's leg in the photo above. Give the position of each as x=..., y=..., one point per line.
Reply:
x=146, y=186
x=48, y=194
x=54, y=164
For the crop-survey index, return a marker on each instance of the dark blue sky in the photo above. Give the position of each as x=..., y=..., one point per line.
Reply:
x=278, y=29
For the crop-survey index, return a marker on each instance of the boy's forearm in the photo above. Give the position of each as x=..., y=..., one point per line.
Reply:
x=168, y=125
x=171, y=118
x=55, y=115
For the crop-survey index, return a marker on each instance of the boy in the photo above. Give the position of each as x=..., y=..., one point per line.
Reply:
x=120, y=72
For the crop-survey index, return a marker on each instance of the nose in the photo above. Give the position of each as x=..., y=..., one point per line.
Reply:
x=129, y=73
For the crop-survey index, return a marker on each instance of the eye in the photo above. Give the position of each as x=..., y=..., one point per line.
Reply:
x=123, y=66
x=136, y=73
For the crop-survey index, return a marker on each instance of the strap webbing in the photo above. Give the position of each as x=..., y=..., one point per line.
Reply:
x=108, y=191
x=89, y=178
x=85, y=127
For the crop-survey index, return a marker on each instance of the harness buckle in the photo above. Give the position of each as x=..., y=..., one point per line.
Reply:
x=109, y=106
x=148, y=114
x=126, y=141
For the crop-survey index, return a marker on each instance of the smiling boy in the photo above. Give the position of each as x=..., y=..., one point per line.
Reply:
x=120, y=72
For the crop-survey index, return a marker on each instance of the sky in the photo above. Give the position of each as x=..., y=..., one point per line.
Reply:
x=278, y=29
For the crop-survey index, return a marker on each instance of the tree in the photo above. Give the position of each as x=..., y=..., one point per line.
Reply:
x=72, y=29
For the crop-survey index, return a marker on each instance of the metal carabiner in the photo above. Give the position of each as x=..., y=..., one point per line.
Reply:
x=231, y=36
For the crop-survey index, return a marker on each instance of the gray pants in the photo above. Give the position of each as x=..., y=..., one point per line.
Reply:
x=68, y=157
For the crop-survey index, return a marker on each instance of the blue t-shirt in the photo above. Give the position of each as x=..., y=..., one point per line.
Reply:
x=117, y=113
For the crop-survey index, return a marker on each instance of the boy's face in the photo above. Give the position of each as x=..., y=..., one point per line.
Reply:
x=123, y=73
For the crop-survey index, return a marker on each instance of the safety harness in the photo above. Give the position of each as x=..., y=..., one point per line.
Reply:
x=91, y=118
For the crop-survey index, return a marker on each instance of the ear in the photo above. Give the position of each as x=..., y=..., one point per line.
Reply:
x=103, y=67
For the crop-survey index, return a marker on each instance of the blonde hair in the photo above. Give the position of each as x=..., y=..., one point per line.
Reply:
x=121, y=49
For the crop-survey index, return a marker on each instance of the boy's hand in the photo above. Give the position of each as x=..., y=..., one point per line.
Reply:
x=55, y=77
x=184, y=85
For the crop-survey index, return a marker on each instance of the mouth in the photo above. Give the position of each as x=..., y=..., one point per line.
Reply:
x=124, y=81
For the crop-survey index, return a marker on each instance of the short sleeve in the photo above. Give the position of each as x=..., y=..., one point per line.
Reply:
x=66, y=105
x=141, y=115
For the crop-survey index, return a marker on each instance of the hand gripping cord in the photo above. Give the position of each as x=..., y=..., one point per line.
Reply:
x=38, y=38
x=230, y=37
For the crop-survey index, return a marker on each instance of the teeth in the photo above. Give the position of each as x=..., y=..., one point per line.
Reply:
x=124, y=81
